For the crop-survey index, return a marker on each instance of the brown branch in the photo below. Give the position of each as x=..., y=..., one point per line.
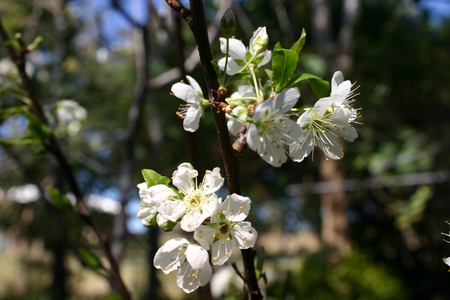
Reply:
x=52, y=145
x=196, y=20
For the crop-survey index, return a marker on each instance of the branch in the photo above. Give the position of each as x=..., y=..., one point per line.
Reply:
x=52, y=145
x=196, y=21
x=193, y=59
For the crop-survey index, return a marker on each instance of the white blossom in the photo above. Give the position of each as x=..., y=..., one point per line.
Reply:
x=190, y=260
x=239, y=56
x=149, y=197
x=192, y=111
x=272, y=129
x=199, y=201
x=327, y=122
x=227, y=230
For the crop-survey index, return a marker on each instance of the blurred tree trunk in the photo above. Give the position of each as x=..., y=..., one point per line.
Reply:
x=334, y=204
x=141, y=45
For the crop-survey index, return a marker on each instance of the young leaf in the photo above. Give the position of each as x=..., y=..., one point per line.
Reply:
x=260, y=264
x=298, y=45
x=321, y=88
x=90, y=258
x=216, y=69
x=237, y=76
x=153, y=178
x=284, y=63
x=60, y=201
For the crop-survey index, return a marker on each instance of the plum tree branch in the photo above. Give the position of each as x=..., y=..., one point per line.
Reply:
x=195, y=18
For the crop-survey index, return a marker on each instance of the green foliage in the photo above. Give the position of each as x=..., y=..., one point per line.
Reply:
x=320, y=87
x=260, y=265
x=284, y=63
x=355, y=277
x=412, y=211
x=298, y=45
x=90, y=258
x=153, y=178
x=60, y=201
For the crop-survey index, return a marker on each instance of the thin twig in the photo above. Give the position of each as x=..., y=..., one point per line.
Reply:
x=236, y=269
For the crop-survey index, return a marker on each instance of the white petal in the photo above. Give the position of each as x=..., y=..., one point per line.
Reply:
x=232, y=66
x=142, y=186
x=161, y=220
x=212, y=181
x=236, y=207
x=191, y=221
x=286, y=100
x=166, y=258
x=234, y=125
x=245, y=91
x=189, y=279
x=192, y=118
x=253, y=138
x=204, y=235
x=183, y=178
x=272, y=152
x=330, y=146
x=280, y=104
x=259, y=30
x=185, y=92
x=236, y=48
x=267, y=57
x=210, y=206
x=300, y=150
x=245, y=235
x=196, y=256
x=305, y=118
x=342, y=92
x=221, y=250
x=205, y=275
x=171, y=210
x=337, y=79
x=324, y=103
x=446, y=260
x=147, y=213
x=194, y=84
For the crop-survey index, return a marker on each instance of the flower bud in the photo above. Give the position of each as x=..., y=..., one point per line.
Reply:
x=259, y=41
x=228, y=23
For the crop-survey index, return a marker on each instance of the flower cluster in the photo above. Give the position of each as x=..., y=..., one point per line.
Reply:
x=217, y=225
x=276, y=129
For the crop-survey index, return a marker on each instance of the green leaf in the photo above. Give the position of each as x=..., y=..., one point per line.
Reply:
x=60, y=201
x=90, y=258
x=269, y=73
x=298, y=45
x=113, y=296
x=284, y=63
x=151, y=223
x=277, y=47
x=216, y=69
x=168, y=226
x=37, y=129
x=237, y=76
x=321, y=88
x=153, y=178
x=260, y=264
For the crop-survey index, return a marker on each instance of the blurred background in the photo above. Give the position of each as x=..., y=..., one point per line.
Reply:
x=366, y=227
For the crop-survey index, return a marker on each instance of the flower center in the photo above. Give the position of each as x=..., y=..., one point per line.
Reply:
x=224, y=228
x=195, y=199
